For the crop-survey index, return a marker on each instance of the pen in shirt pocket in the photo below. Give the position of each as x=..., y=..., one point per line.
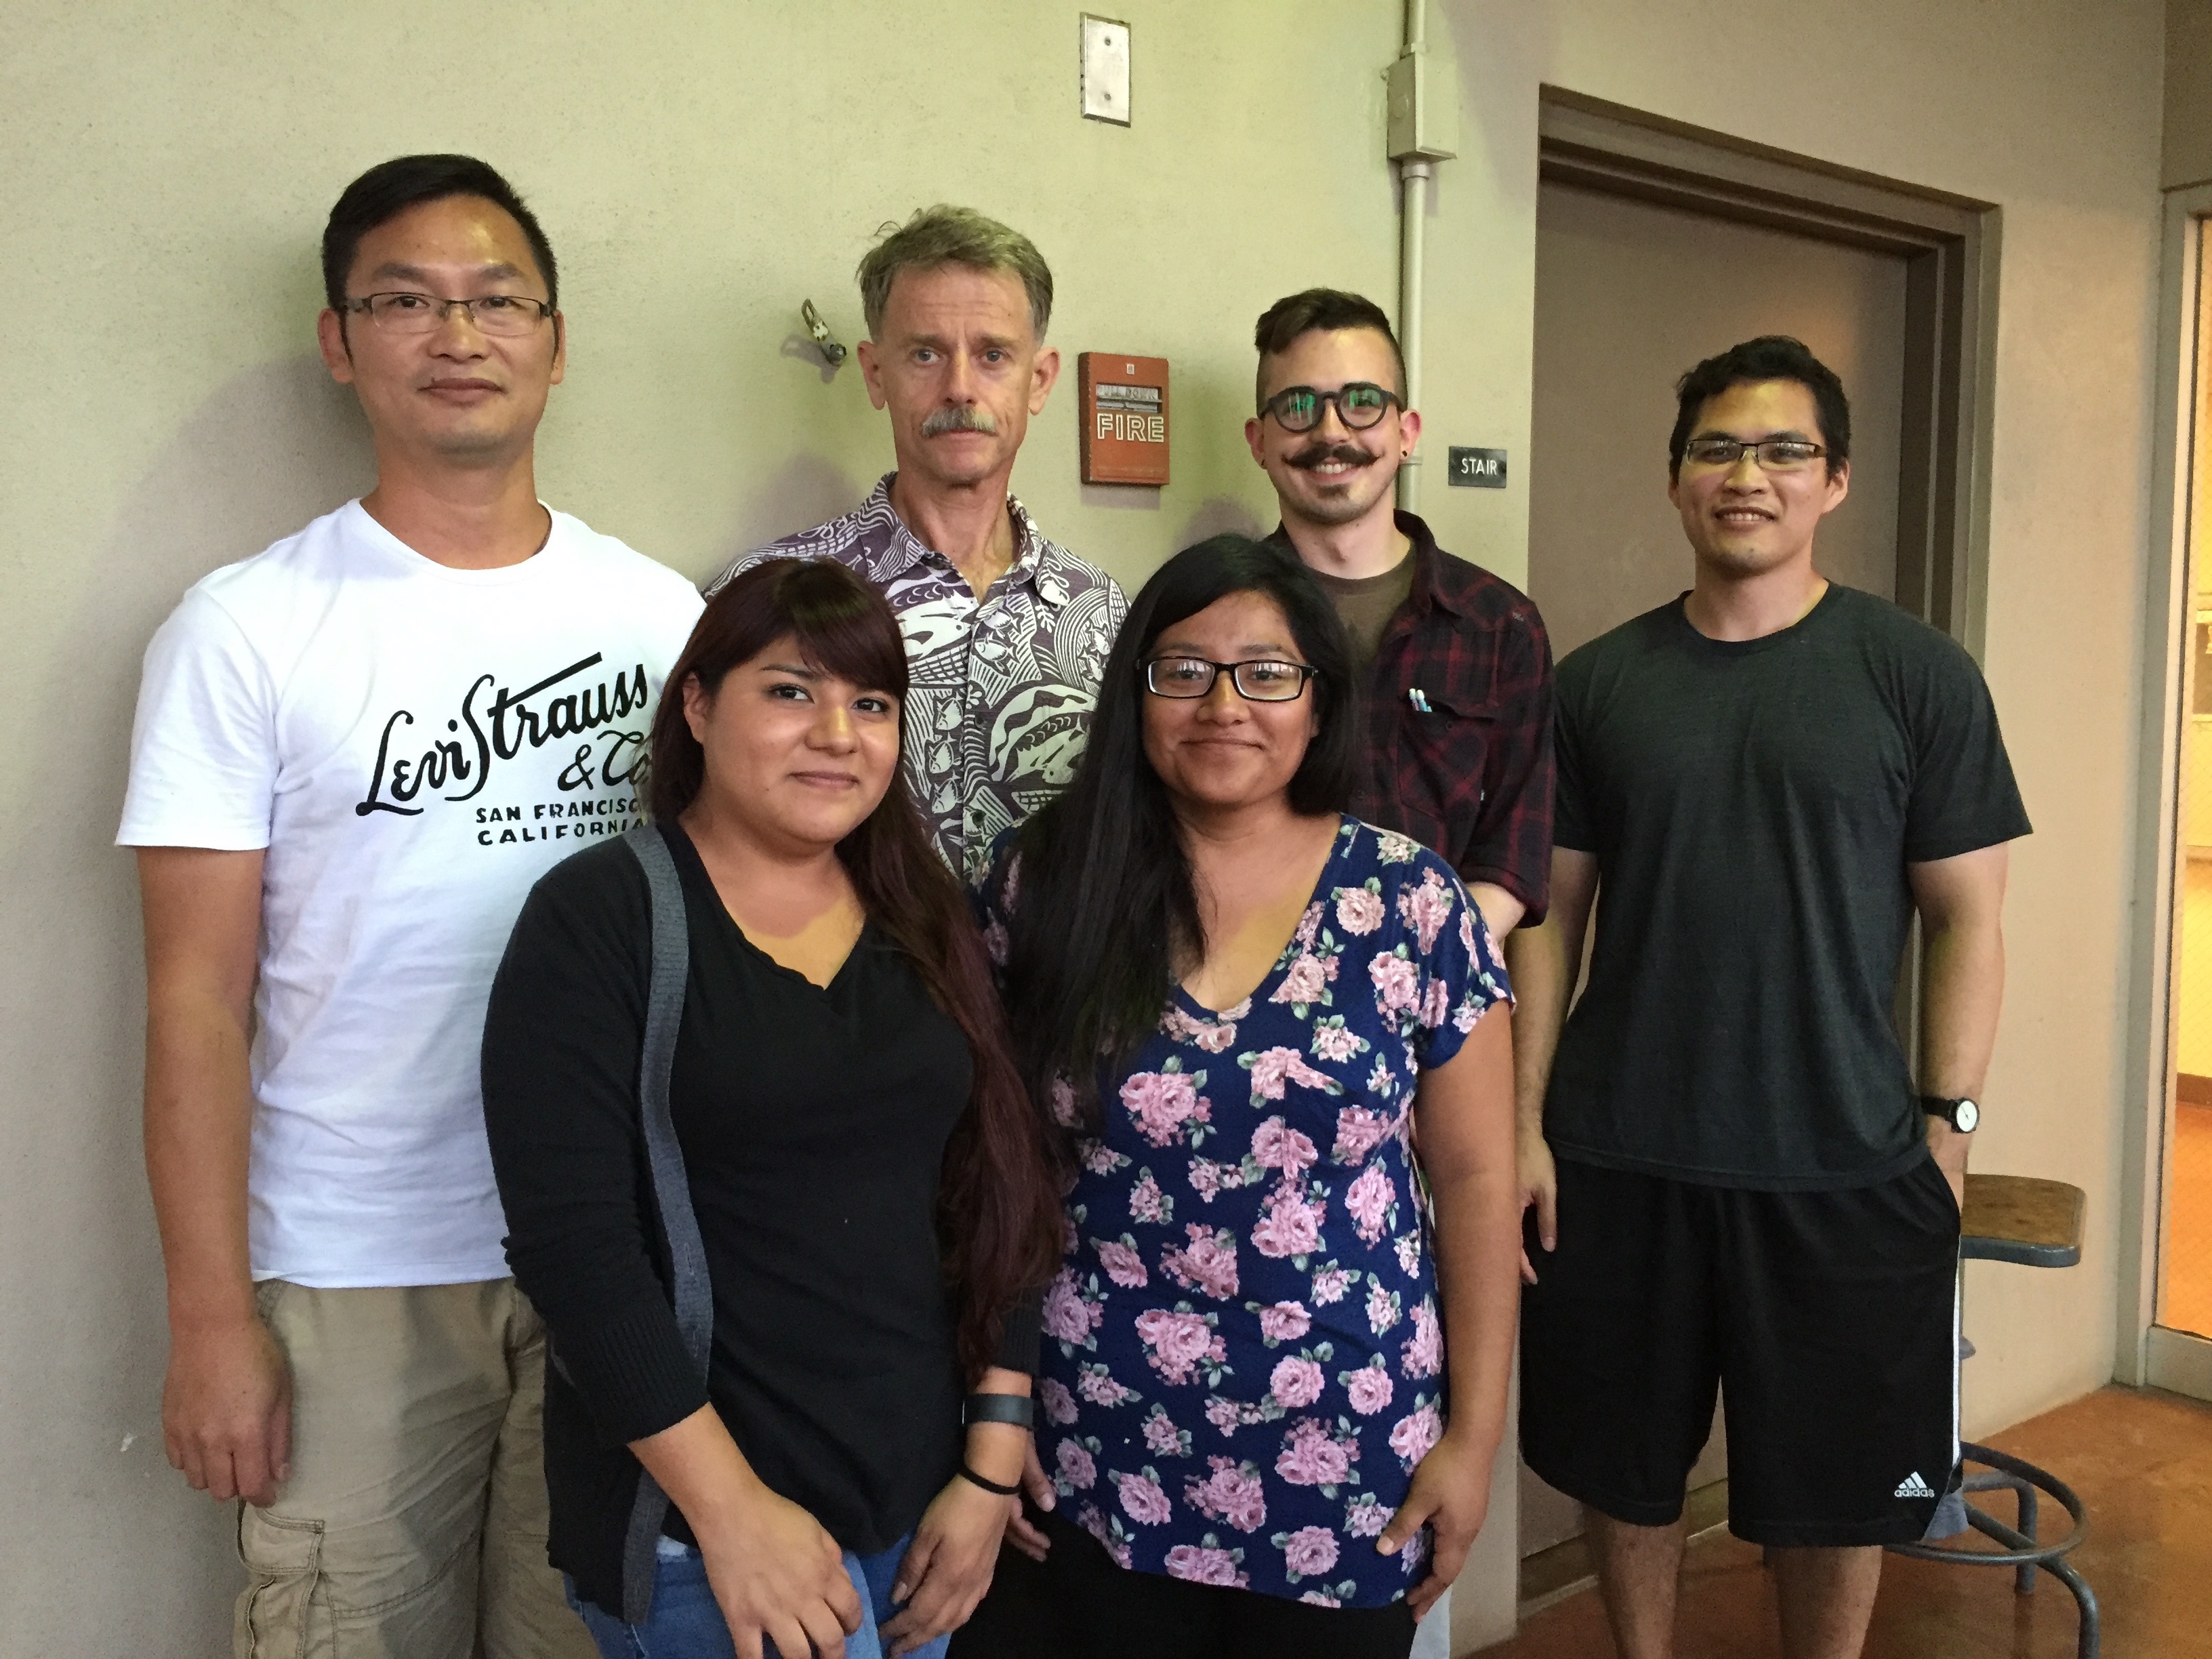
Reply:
x=1419, y=698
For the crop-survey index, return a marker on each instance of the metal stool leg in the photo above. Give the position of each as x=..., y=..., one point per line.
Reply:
x=2023, y=1492
x=2084, y=1598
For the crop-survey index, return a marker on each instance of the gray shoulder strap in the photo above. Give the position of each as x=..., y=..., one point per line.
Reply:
x=672, y=1187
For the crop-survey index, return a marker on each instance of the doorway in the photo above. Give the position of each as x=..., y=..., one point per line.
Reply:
x=1658, y=246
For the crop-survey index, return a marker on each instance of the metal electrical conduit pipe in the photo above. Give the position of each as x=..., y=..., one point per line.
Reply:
x=1412, y=143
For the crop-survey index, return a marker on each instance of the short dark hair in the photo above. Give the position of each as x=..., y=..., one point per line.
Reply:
x=390, y=188
x=1322, y=310
x=1769, y=357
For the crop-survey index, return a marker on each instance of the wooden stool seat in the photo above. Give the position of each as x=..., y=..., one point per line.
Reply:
x=2037, y=1224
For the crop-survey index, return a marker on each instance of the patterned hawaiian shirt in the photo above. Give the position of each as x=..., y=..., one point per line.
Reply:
x=1243, y=1358
x=1001, y=691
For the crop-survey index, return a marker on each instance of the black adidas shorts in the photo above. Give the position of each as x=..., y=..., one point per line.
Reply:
x=1828, y=1320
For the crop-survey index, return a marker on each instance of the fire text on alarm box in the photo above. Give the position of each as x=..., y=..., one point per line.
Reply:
x=1124, y=418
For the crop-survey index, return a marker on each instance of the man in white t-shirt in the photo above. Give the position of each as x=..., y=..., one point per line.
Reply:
x=354, y=753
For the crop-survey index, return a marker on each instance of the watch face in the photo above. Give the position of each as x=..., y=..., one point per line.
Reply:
x=1964, y=1115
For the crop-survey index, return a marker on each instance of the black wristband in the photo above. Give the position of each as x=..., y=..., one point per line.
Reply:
x=1018, y=1409
x=991, y=1486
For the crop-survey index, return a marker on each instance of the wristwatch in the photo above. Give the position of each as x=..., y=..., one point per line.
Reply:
x=1961, y=1115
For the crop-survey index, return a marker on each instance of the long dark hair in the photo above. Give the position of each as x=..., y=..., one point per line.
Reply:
x=998, y=1198
x=1106, y=894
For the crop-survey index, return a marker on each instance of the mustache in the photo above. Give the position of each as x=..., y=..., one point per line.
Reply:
x=1349, y=454
x=959, y=417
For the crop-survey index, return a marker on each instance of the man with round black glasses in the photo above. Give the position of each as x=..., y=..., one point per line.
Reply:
x=1740, y=1187
x=1458, y=670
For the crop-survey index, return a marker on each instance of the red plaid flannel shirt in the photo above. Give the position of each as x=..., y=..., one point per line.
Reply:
x=1459, y=722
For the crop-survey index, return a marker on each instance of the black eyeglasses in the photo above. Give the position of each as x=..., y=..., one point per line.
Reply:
x=1360, y=404
x=1774, y=454
x=496, y=314
x=1262, y=679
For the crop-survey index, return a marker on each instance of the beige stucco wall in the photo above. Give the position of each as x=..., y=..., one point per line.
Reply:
x=702, y=168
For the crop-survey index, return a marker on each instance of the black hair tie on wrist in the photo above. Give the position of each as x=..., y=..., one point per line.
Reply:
x=991, y=1486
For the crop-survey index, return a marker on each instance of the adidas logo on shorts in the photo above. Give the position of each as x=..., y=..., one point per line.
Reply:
x=1913, y=1486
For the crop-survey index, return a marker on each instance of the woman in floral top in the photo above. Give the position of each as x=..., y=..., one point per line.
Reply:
x=1262, y=1303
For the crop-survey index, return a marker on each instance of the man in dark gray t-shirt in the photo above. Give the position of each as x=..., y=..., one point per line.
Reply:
x=1737, y=1181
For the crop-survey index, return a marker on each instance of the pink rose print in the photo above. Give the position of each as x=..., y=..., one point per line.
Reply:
x=1067, y=1316
x=1296, y=1383
x=1382, y=1082
x=1309, y=925
x=1426, y=908
x=1176, y=1342
x=1107, y=1530
x=1067, y=1236
x=1232, y=1493
x=1303, y=982
x=1367, y=1200
x=1094, y=1384
x=1275, y=1146
x=1208, y=1263
x=1147, y=1203
x=1310, y=1458
x=1064, y=1110
x=1466, y=930
x=1423, y=1355
x=1270, y=1068
x=1162, y=1102
x=1223, y=1414
x=1059, y=1404
x=1358, y=911
x=1334, y=1043
x=1205, y=1177
x=1205, y=1567
x=1469, y=1011
x=1215, y=1038
x=1381, y=1306
x=1162, y=1437
x=1286, y=1321
x=1100, y=1159
x=1122, y=1263
x=996, y=945
x=1310, y=1551
x=1329, y=1285
x=1408, y=1246
x=1360, y=1131
x=1142, y=1500
x=1391, y=848
x=1315, y=1598
x=1292, y=1225
x=1077, y=1470
x=1365, y=1518
x=1370, y=1389
x=1435, y=1004
x=1414, y=1434
x=1397, y=985
x=1010, y=889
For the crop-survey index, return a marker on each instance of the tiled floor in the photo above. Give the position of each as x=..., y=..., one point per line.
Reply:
x=2141, y=1460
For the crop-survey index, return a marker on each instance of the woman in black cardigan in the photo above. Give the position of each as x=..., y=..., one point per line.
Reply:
x=775, y=1309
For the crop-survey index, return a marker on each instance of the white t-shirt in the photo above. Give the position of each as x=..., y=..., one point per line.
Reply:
x=414, y=745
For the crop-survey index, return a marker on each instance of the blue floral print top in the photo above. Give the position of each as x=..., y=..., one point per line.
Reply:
x=1242, y=1361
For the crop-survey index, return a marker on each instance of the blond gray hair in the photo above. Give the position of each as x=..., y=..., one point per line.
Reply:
x=948, y=235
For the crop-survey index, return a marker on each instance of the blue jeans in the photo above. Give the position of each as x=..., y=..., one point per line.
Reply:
x=688, y=1624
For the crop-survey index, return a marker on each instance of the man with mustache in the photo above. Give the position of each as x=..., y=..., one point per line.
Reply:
x=330, y=862
x=1007, y=631
x=1458, y=669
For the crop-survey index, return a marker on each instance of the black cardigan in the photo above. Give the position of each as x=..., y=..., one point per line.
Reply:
x=813, y=1123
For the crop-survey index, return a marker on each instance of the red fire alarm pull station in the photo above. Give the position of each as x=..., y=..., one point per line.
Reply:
x=1124, y=418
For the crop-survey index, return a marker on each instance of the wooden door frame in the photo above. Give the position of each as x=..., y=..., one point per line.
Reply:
x=1949, y=244
x=2146, y=1353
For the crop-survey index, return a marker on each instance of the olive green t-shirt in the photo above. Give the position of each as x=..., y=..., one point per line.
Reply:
x=1366, y=604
